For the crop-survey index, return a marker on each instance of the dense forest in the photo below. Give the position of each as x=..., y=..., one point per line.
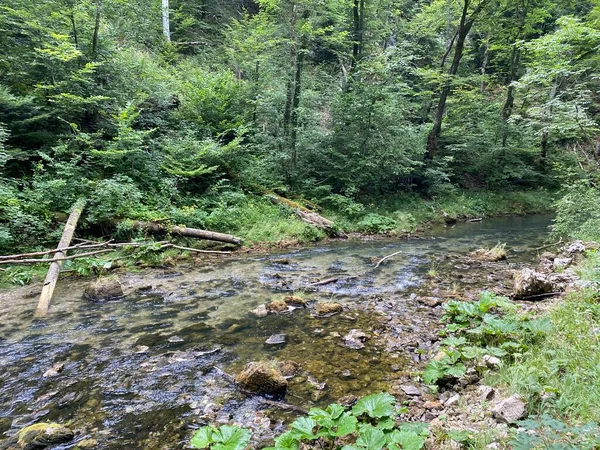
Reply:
x=190, y=112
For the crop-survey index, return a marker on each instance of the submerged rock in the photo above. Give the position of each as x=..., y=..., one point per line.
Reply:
x=509, y=410
x=262, y=378
x=103, y=289
x=276, y=339
x=261, y=311
x=327, y=309
x=43, y=435
x=355, y=339
x=529, y=283
x=288, y=369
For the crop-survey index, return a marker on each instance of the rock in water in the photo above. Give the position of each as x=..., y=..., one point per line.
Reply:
x=355, y=339
x=327, y=309
x=42, y=435
x=261, y=378
x=261, y=311
x=103, y=289
x=276, y=339
x=292, y=300
x=277, y=306
x=529, y=283
x=509, y=410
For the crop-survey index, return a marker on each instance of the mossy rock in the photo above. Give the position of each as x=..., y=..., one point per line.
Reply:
x=277, y=306
x=43, y=435
x=292, y=300
x=103, y=289
x=327, y=309
x=262, y=378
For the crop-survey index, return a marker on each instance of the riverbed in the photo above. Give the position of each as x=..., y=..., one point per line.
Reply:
x=141, y=372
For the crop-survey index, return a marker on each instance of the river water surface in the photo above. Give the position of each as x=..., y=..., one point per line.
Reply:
x=140, y=372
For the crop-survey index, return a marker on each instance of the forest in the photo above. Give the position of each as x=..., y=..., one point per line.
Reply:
x=300, y=224
x=380, y=113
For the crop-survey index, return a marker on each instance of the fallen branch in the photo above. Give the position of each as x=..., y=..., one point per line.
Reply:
x=49, y=252
x=55, y=266
x=386, y=257
x=547, y=294
x=324, y=282
x=56, y=259
x=549, y=245
x=189, y=249
x=479, y=219
x=154, y=227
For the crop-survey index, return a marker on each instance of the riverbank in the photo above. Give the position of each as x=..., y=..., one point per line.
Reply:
x=264, y=226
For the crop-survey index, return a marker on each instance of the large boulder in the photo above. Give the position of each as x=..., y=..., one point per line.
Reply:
x=42, y=435
x=529, y=283
x=103, y=289
x=262, y=378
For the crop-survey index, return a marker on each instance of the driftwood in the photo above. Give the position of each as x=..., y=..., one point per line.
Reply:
x=479, y=219
x=109, y=247
x=386, y=257
x=308, y=216
x=54, y=270
x=154, y=227
x=325, y=282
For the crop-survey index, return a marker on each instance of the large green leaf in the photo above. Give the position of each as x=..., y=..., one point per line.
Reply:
x=371, y=438
x=407, y=440
x=231, y=438
x=202, y=438
x=344, y=425
x=303, y=428
x=287, y=441
x=375, y=406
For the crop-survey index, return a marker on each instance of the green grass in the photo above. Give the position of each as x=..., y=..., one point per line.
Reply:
x=561, y=374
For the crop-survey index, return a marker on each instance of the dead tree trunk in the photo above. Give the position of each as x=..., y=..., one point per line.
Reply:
x=96, y=28
x=54, y=270
x=154, y=227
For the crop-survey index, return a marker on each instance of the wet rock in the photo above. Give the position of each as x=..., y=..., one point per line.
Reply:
x=495, y=254
x=410, y=390
x=327, y=309
x=432, y=405
x=452, y=401
x=492, y=361
x=175, y=340
x=103, y=289
x=348, y=400
x=529, y=283
x=277, y=306
x=276, y=339
x=261, y=311
x=54, y=370
x=43, y=435
x=509, y=410
x=67, y=399
x=576, y=247
x=355, y=339
x=432, y=302
x=561, y=263
x=262, y=378
x=292, y=300
x=487, y=393
x=288, y=369
x=87, y=443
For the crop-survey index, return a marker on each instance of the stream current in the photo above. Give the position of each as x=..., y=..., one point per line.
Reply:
x=140, y=372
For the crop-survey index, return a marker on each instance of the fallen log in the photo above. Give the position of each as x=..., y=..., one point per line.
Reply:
x=54, y=270
x=154, y=227
x=308, y=216
x=324, y=282
x=56, y=259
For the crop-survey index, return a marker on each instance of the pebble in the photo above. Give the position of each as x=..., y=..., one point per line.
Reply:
x=452, y=400
x=410, y=390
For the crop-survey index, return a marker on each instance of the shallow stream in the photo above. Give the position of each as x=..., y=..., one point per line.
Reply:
x=139, y=372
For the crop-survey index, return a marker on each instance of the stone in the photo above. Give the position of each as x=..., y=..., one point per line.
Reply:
x=432, y=405
x=452, y=400
x=529, y=283
x=492, y=361
x=348, y=400
x=262, y=378
x=43, y=435
x=410, y=390
x=561, y=263
x=54, y=370
x=175, y=340
x=260, y=311
x=509, y=410
x=103, y=289
x=277, y=306
x=288, y=369
x=87, y=443
x=292, y=300
x=432, y=302
x=487, y=393
x=327, y=309
x=355, y=339
x=276, y=339
x=576, y=247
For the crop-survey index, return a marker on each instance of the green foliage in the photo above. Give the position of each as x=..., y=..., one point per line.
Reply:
x=375, y=223
x=577, y=212
x=369, y=425
x=547, y=432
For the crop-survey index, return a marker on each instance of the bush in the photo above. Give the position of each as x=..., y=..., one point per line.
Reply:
x=374, y=223
x=578, y=212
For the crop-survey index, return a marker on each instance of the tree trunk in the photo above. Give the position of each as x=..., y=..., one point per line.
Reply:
x=515, y=58
x=154, y=227
x=464, y=27
x=358, y=15
x=165, y=20
x=295, y=104
x=96, y=29
x=55, y=266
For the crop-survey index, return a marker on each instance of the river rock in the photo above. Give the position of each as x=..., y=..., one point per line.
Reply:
x=262, y=378
x=103, y=289
x=276, y=339
x=509, y=410
x=327, y=309
x=432, y=302
x=277, y=306
x=411, y=390
x=288, y=369
x=260, y=311
x=292, y=300
x=355, y=339
x=43, y=435
x=530, y=283
x=54, y=370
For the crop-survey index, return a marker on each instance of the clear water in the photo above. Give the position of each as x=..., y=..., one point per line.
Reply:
x=140, y=371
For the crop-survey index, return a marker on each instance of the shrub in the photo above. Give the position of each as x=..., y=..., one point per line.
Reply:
x=374, y=223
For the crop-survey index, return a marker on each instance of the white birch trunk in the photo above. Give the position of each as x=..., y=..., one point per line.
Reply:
x=165, y=20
